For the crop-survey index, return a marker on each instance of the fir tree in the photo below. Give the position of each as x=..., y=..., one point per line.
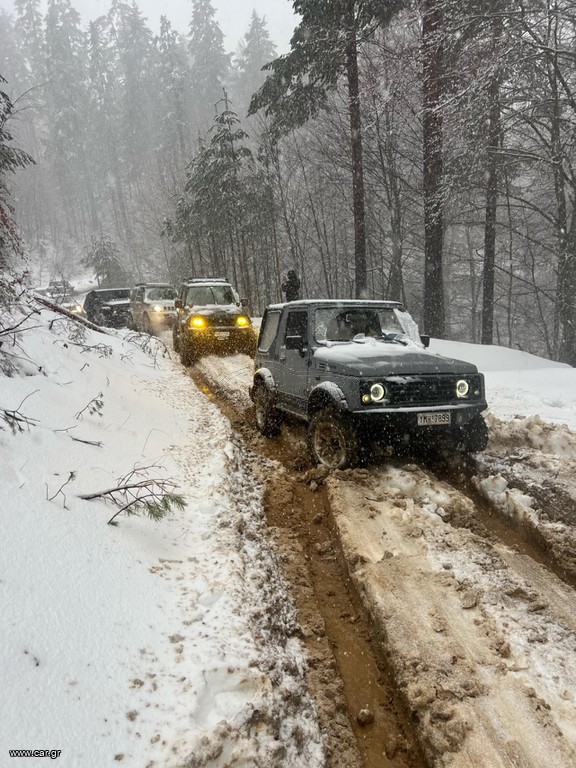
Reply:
x=11, y=159
x=210, y=62
x=254, y=51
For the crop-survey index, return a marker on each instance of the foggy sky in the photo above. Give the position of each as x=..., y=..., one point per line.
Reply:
x=233, y=16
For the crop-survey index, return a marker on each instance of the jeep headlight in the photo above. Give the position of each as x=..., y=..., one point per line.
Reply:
x=377, y=392
x=462, y=388
x=242, y=321
x=157, y=308
x=374, y=393
x=196, y=321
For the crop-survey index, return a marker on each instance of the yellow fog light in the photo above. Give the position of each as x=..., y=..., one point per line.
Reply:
x=242, y=321
x=366, y=399
x=197, y=322
x=377, y=392
x=462, y=388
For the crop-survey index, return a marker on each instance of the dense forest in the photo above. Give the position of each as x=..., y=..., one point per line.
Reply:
x=419, y=150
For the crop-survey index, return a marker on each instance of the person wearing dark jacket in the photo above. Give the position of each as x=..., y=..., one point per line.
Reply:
x=291, y=286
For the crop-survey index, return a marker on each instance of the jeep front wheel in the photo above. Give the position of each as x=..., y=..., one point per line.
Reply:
x=187, y=353
x=476, y=438
x=266, y=415
x=333, y=439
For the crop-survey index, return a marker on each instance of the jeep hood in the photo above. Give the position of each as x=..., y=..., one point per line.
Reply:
x=115, y=302
x=217, y=310
x=374, y=357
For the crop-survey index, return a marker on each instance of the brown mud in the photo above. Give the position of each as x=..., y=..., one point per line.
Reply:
x=433, y=589
x=363, y=719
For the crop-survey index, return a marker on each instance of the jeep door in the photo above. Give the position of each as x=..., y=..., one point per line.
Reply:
x=291, y=370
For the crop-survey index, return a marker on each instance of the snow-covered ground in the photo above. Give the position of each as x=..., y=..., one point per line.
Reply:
x=170, y=642
x=520, y=384
x=149, y=643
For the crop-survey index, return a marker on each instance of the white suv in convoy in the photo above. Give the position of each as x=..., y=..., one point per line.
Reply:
x=152, y=306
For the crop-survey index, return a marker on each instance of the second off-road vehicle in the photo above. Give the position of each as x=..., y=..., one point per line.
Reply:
x=211, y=319
x=359, y=372
x=152, y=307
x=108, y=306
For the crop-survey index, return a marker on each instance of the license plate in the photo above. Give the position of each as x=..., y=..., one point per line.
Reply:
x=222, y=334
x=430, y=419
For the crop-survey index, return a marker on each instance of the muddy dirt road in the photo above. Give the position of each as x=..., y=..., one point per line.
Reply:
x=436, y=602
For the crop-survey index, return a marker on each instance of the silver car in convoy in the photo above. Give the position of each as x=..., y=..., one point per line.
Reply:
x=357, y=372
x=152, y=307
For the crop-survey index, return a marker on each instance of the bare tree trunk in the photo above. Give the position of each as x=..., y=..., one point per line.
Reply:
x=433, y=64
x=358, y=205
x=491, y=208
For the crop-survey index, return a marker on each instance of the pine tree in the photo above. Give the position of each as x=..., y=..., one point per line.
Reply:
x=210, y=63
x=11, y=159
x=30, y=32
x=173, y=106
x=67, y=109
x=134, y=68
x=256, y=50
x=12, y=61
x=103, y=256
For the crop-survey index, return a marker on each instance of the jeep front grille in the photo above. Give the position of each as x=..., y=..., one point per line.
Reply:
x=429, y=390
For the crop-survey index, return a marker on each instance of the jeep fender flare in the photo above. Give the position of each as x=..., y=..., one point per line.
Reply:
x=327, y=394
x=263, y=376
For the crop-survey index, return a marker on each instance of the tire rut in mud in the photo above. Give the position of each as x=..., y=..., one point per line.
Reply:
x=552, y=504
x=348, y=674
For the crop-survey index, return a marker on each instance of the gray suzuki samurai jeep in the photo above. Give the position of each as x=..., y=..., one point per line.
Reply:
x=357, y=372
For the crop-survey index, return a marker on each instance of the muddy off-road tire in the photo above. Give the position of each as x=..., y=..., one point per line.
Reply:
x=188, y=355
x=267, y=417
x=476, y=438
x=333, y=439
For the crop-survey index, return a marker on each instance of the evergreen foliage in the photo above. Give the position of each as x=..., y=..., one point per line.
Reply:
x=210, y=62
x=119, y=122
x=11, y=158
x=103, y=257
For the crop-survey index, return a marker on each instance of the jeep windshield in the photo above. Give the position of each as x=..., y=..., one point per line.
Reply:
x=204, y=295
x=344, y=323
x=118, y=294
x=163, y=293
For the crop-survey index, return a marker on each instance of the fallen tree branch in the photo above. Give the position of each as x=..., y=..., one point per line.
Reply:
x=153, y=496
x=97, y=443
x=63, y=311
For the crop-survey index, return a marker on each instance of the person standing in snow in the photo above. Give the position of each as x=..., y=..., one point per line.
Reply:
x=291, y=286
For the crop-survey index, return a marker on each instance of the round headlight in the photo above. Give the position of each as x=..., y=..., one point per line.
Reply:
x=462, y=388
x=242, y=321
x=157, y=308
x=197, y=322
x=377, y=392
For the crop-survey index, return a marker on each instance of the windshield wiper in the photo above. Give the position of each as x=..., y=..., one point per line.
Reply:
x=395, y=338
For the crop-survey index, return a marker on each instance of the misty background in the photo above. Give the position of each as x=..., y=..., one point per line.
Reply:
x=153, y=161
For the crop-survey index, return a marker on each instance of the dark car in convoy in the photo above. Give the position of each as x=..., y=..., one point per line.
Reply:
x=108, y=306
x=357, y=372
x=211, y=319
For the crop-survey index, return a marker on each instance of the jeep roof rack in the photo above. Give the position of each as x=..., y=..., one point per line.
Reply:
x=207, y=279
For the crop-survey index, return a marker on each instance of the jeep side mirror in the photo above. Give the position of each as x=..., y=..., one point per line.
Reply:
x=295, y=342
x=243, y=302
x=178, y=304
x=425, y=339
